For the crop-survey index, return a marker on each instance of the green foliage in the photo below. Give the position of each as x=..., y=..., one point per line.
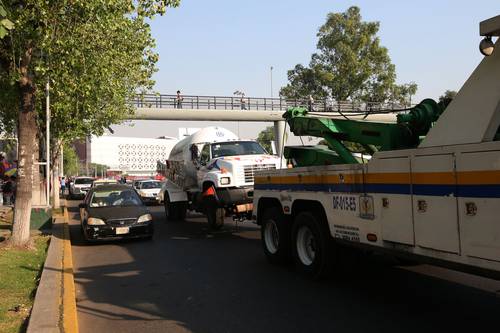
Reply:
x=265, y=137
x=97, y=169
x=71, y=162
x=97, y=53
x=5, y=23
x=402, y=93
x=447, y=97
x=350, y=64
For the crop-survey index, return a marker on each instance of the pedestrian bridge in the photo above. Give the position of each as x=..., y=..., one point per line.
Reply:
x=221, y=108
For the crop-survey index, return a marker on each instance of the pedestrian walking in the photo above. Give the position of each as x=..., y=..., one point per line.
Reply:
x=7, y=190
x=63, y=186
x=179, y=99
x=4, y=165
x=242, y=102
x=14, y=189
x=329, y=104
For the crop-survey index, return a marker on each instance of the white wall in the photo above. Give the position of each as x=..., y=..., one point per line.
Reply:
x=131, y=155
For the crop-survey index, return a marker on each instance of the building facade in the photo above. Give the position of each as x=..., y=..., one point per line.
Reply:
x=125, y=155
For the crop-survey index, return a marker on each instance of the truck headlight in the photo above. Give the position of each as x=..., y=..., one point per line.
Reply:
x=95, y=221
x=225, y=180
x=144, y=218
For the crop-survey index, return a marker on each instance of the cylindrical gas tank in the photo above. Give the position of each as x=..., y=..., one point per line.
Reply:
x=182, y=150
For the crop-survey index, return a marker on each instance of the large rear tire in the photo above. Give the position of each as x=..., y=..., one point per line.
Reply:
x=181, y=210
x=171, y=211
x=312, y=246
x=275, y=236
x=215, y=214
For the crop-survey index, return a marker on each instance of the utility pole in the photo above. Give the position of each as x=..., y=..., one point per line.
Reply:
x=47, y=141
x=271, y=81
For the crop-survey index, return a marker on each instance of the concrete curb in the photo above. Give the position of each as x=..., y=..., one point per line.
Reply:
x=54, y=309
x=70, y=320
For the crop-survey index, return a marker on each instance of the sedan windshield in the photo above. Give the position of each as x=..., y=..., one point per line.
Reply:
x=149, y=185
x=115, y=198
x=236, y=148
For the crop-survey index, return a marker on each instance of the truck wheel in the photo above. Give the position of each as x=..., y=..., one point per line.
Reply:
x=181, y=210
x=215, y=215
x=275, y=236
x=311, y=246
x=170, y=209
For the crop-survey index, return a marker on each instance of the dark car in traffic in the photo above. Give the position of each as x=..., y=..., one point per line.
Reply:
x=114, y=211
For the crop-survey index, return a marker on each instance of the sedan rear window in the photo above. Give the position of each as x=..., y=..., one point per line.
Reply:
x=115, y=198
x=84, y=181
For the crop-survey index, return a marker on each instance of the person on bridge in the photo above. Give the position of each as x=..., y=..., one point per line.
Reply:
x=178, y=99
x=242, y=101
x=311, y=103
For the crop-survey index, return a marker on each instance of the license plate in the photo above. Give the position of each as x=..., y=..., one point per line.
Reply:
x=122, y=230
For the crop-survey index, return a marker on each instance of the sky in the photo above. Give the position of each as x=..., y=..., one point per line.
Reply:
x=217, y=47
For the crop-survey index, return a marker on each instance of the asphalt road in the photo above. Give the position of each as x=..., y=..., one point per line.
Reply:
x=188, y=279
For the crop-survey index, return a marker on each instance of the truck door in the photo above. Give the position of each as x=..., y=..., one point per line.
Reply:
x=434, y=192
x=478, y=176
x=392, y=176
x=204, y=160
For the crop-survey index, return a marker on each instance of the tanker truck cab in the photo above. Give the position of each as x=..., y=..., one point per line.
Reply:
x=212, y=171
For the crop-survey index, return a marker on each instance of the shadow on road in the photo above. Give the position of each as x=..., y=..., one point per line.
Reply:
x=190, y=279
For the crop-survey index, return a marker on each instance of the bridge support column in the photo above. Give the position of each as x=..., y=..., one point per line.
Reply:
x=279, y=129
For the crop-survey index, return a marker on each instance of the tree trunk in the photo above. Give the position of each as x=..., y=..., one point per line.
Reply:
x=36, y=192
x=55, y=174
x=27, y=140
x=55, y=186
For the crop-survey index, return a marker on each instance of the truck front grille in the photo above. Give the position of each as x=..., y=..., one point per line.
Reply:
x=249, y=170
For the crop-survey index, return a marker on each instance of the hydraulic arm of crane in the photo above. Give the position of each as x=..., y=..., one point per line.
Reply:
x=405, y=131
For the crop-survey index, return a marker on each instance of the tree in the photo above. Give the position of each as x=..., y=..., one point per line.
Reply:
x=447, y=97
x=97, y=169
x=350, y=63
x=403, y=93
x=265, y=137
x=71, y=162
x=5, y=24
x=96, y=53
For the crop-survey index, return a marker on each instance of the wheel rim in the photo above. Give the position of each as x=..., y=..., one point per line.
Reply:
x=271, y=236
x=306, y=246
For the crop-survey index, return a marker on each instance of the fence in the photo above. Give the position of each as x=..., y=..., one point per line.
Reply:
x=256, y=103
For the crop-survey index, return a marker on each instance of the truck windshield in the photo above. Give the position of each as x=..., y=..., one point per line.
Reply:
x=236, y=148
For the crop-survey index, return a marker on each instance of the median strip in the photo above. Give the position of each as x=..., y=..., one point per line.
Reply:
x=54, y=309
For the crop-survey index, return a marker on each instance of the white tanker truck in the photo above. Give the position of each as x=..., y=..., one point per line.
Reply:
x=212, y=171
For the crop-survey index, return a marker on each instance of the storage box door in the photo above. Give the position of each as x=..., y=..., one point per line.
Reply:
x=478, y=176
x=390, y=182
x=435, y=203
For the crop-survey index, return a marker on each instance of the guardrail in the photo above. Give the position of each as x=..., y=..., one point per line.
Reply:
x=256, y=103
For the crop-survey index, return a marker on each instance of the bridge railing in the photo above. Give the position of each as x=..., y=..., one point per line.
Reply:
x=256, y=103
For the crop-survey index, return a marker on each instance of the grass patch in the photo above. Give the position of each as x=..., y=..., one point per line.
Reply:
x=20, y=271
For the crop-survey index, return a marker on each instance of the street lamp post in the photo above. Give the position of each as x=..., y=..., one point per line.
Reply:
x=47, y=142
x=271, y=81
